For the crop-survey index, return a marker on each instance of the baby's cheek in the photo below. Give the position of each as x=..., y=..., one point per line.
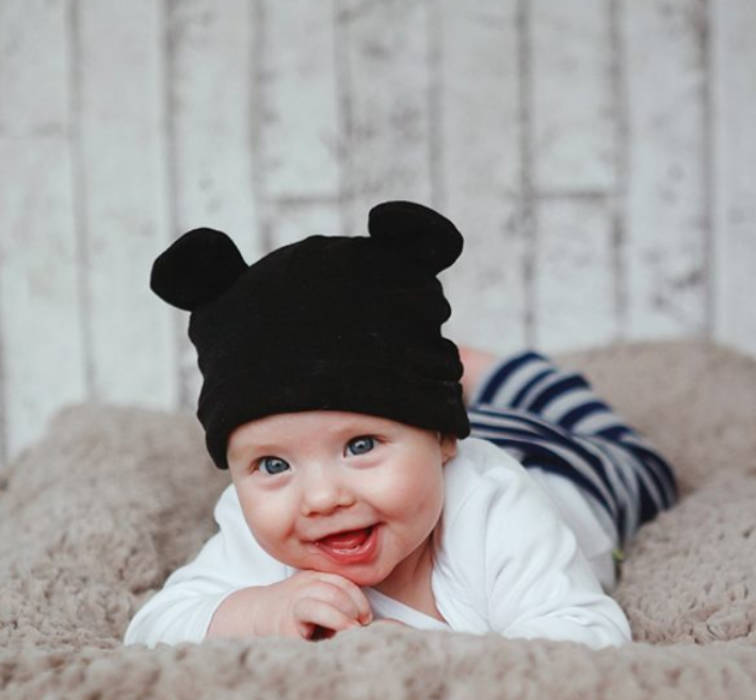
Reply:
x=431, y=495
x=273, y=539
x=409, y=492
x=265, y=521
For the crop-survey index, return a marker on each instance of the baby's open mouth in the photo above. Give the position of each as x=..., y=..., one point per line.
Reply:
x=349, y=539
x=350, y=546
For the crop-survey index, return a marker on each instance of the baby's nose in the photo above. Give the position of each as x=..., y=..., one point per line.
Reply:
x=324, y=492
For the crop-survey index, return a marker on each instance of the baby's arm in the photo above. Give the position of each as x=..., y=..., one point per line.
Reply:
x=535, y=580
x=234, y=588
x=541, y=584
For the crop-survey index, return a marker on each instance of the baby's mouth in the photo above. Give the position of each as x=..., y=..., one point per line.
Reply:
x=349, y=539
x=351, y=546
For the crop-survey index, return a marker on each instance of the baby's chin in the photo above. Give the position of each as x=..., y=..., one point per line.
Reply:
x=361, y=576
x=365, y=580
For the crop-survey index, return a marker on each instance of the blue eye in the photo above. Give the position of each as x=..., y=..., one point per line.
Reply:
x=272, y=465
x=361, y=445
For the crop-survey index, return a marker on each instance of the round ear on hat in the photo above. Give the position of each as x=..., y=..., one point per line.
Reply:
x=417, y=232
x=196, y=268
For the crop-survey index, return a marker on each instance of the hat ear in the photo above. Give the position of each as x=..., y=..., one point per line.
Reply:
x=417, y=232
x=198, y=267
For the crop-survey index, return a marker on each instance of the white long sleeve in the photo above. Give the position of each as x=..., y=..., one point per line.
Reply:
x=182, y=610
x=511, y=563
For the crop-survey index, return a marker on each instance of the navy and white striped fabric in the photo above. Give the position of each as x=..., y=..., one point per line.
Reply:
x=552, y=419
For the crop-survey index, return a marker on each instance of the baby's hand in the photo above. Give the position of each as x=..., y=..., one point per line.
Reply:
x=312, y=605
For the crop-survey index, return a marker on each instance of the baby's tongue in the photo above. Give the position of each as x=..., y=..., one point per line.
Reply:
x=346, y=540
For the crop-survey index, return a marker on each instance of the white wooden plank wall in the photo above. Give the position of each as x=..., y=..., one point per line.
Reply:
x=734, y=153
x=211, y=151
x=301, y=133
x=478, y=180
x=598, y=155
x=668, y=205
x=118, y=88
x=44, y=352
x=573, y=171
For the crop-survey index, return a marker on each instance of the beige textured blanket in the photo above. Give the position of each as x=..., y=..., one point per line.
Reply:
x=94, y=517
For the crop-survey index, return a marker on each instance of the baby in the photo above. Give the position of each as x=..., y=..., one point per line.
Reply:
x=357, y=496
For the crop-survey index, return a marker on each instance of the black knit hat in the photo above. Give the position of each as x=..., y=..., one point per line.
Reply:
x=329, y=322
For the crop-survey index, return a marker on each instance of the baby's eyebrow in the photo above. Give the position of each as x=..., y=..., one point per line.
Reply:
x=247, y=447
x=239, y=450
x=356, y=429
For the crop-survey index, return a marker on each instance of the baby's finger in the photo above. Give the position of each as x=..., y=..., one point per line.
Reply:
x=333, y=595
x=311, y=613
x=365, y=614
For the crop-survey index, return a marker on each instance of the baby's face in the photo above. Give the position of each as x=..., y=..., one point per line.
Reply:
x=344, y=493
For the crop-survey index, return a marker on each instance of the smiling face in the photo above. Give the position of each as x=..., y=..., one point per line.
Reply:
x=345, y=493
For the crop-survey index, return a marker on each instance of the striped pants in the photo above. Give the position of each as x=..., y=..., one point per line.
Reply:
x=552, y=419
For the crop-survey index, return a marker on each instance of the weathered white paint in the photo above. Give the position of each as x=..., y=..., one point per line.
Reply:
x=211, y=113
x=573, y=153
x=572, y=143
x=384, y=46
x=300, y=136
x=486, y=286
x=574, y=276
x=211, y=119
x=735, y=113
x=300, y=128
x=572, y=112
x=34, y=67
x=293, y=220
x=479, y=175
x=125, y=197
x=43, y=354
x=667, y=202
x=478, y=109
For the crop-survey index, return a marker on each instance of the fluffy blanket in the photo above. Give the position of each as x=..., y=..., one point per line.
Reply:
x=111, y=500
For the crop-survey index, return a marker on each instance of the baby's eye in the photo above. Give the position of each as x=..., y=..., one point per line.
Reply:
x=272, y=465
x=361, y=445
